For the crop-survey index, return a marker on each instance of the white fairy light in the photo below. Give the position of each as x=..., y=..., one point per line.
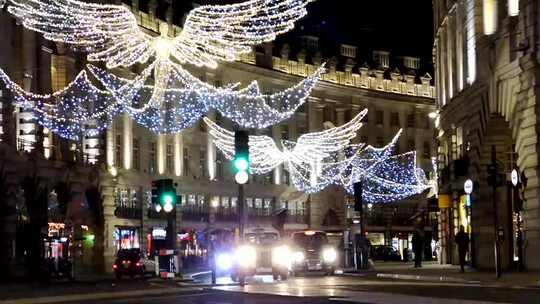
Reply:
x=110, y=33
x=79, y=108
x=326, y=158
x=180, y=108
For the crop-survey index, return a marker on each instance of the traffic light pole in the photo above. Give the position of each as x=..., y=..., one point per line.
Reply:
x=241, y=211
x=495, y=216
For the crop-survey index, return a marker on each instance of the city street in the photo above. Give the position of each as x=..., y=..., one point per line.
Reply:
x=336, y=289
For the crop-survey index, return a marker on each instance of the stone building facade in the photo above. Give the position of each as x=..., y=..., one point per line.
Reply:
x=486, y=56
x=123, y=161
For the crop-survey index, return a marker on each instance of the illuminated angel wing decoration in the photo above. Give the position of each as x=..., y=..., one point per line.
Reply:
x=385, y=176
x=264, y=155
x=222, y=32
x=110, y=33
x=92, y=112
x=107, y=32
x=312, y=149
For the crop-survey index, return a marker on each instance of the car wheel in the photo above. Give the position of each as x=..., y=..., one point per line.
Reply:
x=284, y=276
x=275, y=276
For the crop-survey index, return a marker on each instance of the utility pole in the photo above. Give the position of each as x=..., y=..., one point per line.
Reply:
x=241, y=211
x=494, y=180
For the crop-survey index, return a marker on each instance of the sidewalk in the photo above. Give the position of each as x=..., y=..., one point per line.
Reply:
x=433, y=271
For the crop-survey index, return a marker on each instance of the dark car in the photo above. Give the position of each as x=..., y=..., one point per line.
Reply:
x=385, y=253
x=132, y=262
x=311, y=252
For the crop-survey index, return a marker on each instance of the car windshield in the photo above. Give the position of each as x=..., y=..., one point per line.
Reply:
x=266, y=238
x=315, y=240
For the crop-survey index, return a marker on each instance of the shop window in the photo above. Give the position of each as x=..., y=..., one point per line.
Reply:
x=126, y=238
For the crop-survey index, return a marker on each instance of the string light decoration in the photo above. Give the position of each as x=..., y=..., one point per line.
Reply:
x=211, y=33
x=110, y=33
x=186, y=99
x=79, y=108
x=326, y=158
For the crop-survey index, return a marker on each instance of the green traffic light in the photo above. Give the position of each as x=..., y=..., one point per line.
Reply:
x=167, y=198
x=241, y=164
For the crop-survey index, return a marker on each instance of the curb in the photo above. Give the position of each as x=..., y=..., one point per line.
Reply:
x=411, y=277
x=100, y=296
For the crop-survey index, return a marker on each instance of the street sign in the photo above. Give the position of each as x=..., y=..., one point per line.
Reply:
x=468, y=186
x=514, y=177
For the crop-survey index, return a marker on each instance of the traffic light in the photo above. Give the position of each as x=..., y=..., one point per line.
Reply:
x=357, y=187
x=164, y=195
x=241, y=157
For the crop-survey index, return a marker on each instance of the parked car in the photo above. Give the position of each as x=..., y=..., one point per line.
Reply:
x=385, y=253
x=132, y=262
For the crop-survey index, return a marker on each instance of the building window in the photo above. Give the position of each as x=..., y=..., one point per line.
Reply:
x=152, y=157
x=364, y=139
x=169, y=160
x=118, y=150
x=427, y=150
x=380, y=141
x=284, y=132
x=202, y=162
x=185, y=162
x=286, y=177
x=379, y=117
x=411, y=121
x=411, y=145
x=394, y=119
x=219, y=166
x=136, y=154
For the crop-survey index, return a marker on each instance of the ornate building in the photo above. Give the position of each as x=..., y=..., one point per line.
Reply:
x=486, y=55
x=121, y=163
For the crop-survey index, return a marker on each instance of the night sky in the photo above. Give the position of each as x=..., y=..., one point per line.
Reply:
x=403, y=27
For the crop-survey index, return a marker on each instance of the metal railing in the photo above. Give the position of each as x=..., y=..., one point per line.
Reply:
x=128, y=212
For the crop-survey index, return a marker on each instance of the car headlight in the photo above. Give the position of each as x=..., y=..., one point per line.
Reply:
x=281, y=256
x=246, y=256
x=299, y=257
x=329, y=255
x=224, y=261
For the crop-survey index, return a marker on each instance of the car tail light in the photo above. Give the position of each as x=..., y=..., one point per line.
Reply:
x=114, y=266
x=138, y=264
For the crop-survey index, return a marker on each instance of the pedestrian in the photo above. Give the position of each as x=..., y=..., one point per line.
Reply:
x=418, y=247
x=462, y=241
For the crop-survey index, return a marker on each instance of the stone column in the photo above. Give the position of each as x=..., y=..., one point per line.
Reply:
x=315, y=114
x=278, y=171
x=161, y=158
x=211, y=151
x=110, y=144
x=178, y=153
x=127, y=145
